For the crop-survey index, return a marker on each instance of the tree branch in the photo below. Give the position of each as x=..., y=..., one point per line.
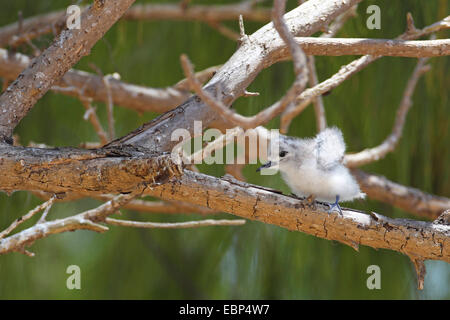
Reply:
x=86, y=220
x=423, y=240
x=174, y=225
x=373, y=154
x=29, y=215
x=232, y=79
x=128, y=95
x=346, y=72
x=376, y=47
x=100, y=171
x=406, y=198
x=46, y=69
x=42, y=24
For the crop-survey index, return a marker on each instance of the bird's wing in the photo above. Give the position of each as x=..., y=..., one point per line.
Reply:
x=330, y=148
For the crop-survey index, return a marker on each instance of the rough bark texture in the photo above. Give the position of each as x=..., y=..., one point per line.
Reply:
x=45, y=70
x=423, y=240
x=381, y=47
x=112, y=170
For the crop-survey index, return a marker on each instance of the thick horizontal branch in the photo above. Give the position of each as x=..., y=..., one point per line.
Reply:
x=406, y=198
x=376, y=47
x=423, y=240
x=49, y=67
x=135, y=97
x=100, y=171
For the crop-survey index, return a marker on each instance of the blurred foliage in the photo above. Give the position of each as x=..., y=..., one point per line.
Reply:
x=255, y=261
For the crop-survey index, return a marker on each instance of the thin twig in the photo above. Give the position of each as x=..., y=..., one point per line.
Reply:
x=47, y=209
x=376, y=153
x=109, y=107
x=83, y=221
x=319, y=108
x=224, y=30
x=334, y=28
x=175, y=225
x=26, y=217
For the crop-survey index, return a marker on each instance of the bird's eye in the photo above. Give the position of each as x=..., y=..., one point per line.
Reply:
x=283, y=153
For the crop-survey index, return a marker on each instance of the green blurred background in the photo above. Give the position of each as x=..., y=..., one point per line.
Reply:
x=254, y=261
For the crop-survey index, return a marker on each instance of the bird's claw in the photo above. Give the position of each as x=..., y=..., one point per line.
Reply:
x=335, y=205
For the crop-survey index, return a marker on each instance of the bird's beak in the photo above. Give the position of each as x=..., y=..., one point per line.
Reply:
x=267, y=165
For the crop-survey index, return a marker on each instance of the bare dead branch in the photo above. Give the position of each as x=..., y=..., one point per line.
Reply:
x=174, y=225
x=128, y=95
x=419, y=265
x=319, y=108
x=267, y=114
x=388, y=145
x=377, y=47
x=40, y=25
x=31, y=28
x=99, y=171
x=307, y=96
x=201, y=76
x=49, y=67
x=334, y=28
x=408, y=199
x=167, y=207
x=109, y=107
x=86, y=220
x=29, y=215
x=423, y=240
x=239, y=71
x=198, y=12
x=172, y=207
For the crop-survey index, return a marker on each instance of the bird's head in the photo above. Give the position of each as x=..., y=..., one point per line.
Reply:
x=282, y=154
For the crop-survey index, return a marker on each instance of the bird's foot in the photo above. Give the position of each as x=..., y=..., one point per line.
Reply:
x=335, y=205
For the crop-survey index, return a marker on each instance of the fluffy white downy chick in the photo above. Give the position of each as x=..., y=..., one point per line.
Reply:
x=314, y=167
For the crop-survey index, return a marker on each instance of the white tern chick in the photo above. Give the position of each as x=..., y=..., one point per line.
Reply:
x=315, y=167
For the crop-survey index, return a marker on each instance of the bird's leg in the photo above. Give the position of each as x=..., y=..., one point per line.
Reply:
x=335, y=205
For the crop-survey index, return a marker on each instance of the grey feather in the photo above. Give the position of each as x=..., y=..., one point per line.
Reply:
x=330, y=148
